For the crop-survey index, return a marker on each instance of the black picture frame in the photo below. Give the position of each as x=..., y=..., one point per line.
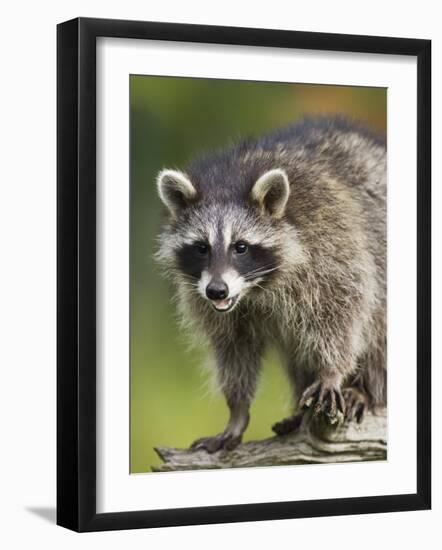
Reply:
x=76, y=273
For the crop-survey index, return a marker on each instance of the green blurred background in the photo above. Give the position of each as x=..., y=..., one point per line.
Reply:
x=171, y=119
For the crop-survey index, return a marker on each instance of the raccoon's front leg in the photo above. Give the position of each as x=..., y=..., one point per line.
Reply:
x=238, y=367
x=300, y=376
x=231, y=437
x=357, y=401
x=325, y=395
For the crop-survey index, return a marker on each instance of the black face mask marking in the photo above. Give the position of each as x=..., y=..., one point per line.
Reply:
x=193, y=259
x=251, y=262
x=254, y=262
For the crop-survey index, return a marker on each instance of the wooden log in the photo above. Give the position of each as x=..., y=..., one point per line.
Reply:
x=316, y=442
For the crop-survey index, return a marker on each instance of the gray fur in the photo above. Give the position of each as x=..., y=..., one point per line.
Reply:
x=324, y=304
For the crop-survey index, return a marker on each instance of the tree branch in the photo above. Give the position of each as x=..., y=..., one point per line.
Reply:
x=316, y=442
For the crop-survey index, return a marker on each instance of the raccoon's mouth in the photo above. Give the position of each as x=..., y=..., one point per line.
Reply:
x=224, y=305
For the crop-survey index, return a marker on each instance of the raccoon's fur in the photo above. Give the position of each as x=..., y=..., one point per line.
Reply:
x=281, y=241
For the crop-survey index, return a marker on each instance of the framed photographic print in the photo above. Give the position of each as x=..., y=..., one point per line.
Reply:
x=257, y=203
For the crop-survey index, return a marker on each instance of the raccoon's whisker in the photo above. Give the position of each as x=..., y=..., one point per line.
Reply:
x=260, y=273
x=270, y=265
x=192, y=285
x=191, y=277
x=263, y=288
x=256, y=272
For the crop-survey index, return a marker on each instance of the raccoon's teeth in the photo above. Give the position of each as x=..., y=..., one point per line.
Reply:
x=223, y=304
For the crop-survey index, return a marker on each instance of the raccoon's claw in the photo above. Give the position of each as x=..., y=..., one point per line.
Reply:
x=356, y=404
x=215, y=443
x=324, y=397
x=309, y=395
x=288, y=425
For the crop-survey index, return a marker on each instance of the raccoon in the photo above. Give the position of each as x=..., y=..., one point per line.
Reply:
x=281, y=241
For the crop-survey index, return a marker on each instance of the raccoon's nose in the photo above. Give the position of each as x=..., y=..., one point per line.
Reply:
x=217, y=290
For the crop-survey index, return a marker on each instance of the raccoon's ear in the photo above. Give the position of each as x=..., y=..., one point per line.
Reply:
x=175, y=190
x=271, y=192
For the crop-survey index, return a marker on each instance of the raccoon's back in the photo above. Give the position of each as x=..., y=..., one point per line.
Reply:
x=307, y=150
x=332, y=147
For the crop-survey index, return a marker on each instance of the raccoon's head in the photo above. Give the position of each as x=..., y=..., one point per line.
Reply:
x=224, y=248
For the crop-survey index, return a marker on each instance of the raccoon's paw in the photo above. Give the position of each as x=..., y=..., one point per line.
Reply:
x=288, y=425
x=224, y=440
x=324, y=397
x=356, y=404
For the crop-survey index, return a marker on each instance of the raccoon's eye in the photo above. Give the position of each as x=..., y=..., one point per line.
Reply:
x=241, y=247
x=202, y=248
